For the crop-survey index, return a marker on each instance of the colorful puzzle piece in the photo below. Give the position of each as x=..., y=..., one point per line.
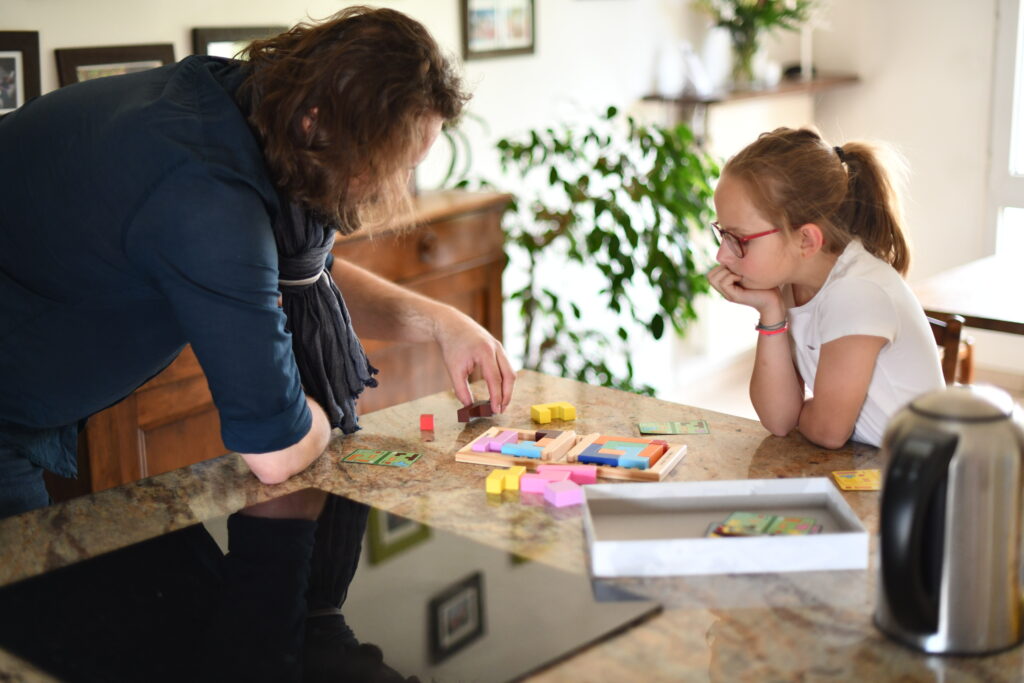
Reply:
x=563, y=493
x=475, y=409
x=523, y=449
x=545, y=412
x=858, y=480
x=512, y=476
x=494, y=444
x=581, y=474
x=495, y=482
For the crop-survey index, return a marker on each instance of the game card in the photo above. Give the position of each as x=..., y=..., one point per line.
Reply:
x=691, y=427
x=858, y=480
x=369, y=456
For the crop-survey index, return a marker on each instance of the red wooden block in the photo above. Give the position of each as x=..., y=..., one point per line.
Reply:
x=426, y=421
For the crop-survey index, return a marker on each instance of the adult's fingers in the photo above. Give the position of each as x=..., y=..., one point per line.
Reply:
x=508, y=378
x=458, y=373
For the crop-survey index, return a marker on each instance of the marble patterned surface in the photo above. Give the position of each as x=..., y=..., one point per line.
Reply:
x=768, y=627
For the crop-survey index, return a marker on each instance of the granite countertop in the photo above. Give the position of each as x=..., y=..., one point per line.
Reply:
x=794, y=626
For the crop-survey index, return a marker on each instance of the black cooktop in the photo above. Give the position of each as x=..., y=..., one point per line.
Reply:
x=308, y=587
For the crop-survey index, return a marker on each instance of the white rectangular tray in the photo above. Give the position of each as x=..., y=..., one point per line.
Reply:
x=657, y=529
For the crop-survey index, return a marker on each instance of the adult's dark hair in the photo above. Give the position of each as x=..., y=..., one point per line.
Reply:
x=795, y=177
x=364, y=81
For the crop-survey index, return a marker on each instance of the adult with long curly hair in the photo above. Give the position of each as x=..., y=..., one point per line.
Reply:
x=197, y=204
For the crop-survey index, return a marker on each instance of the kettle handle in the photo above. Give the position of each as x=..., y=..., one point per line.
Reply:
x=912, y=526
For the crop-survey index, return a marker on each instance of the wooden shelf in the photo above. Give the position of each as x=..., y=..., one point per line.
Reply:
x=785, y=87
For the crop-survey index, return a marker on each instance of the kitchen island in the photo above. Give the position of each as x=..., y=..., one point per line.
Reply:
x=794, y=626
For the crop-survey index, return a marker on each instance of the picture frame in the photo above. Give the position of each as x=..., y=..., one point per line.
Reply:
x=496, y=28
x=388, y=534
x=78, y=64
x=456, y=617
x=19, y=69
x=228, y=41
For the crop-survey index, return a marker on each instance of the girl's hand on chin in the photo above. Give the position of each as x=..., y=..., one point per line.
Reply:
x=727, y=283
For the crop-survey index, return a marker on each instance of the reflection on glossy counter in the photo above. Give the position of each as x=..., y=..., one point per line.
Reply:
x=815, y=625
x=282, y=591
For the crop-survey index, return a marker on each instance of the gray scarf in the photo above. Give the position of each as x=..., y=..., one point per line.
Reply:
x=332, y=364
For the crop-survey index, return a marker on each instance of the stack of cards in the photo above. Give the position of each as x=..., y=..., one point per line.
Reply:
x=763, y=524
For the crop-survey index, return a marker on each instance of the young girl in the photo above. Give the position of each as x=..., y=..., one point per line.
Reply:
x=810, y=237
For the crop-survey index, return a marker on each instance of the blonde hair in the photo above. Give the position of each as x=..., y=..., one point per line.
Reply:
x=794, y=177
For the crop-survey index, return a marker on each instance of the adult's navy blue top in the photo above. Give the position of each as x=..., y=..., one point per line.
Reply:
x=136, y=217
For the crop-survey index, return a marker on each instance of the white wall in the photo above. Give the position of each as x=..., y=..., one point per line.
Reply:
x=588, y=53
x=926, y=69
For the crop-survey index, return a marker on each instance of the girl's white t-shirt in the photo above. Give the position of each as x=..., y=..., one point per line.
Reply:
x=865, y=295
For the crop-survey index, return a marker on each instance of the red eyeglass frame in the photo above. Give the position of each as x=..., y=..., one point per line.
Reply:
x=740, y=241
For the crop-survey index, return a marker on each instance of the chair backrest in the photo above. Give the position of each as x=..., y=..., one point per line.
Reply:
x=947, y=335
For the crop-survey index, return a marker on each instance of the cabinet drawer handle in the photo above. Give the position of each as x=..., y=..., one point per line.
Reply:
x=426, y=246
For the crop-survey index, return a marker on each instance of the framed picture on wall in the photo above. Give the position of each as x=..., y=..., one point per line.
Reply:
x=494, y=28
x=19, y=68
x=456, y=617
x=229, y=41
x=388, y=534
x=86, y=63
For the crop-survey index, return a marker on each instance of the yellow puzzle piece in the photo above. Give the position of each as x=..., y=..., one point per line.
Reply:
x=544, y=412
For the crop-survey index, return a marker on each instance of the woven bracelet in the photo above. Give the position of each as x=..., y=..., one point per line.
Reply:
x=770, y=328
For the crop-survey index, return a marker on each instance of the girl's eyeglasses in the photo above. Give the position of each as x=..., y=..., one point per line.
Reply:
x=738, y=245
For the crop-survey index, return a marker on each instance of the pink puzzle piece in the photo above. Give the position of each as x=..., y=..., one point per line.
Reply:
x=581, y=474
x=536, y=483
x=563, y=493
x=494, y=444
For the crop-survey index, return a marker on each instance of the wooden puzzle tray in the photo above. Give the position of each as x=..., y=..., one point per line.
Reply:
x=616, y=457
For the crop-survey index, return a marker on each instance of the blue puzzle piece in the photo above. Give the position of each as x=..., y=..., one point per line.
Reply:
x=523, y=449
x=609, y=460
x=634, y=462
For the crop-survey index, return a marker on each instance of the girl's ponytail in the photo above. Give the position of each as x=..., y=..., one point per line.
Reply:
x=871, y=209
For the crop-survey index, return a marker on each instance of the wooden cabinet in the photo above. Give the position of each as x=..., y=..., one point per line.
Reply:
x=453, y=252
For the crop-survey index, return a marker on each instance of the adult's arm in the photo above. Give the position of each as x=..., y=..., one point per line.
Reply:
x=383, y=310
x=277, y=466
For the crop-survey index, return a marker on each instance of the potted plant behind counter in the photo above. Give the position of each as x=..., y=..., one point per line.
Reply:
x=747, y=21
x=625, y=200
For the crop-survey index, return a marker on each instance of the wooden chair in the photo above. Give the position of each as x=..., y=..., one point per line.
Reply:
x=957, y=349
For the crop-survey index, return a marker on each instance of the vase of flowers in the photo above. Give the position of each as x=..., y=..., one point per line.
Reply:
x=747, y=21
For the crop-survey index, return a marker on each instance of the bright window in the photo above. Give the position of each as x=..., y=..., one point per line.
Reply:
x=1006, y=181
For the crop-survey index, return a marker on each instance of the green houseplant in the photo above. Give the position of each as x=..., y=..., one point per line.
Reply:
x=747, y=21
x=625, y=199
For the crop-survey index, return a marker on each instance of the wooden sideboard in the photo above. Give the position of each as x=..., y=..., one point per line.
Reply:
x=451, y=250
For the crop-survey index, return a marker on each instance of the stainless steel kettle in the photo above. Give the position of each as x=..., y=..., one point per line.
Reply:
x=950, y=523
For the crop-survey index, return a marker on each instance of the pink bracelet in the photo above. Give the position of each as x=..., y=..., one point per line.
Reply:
x=773, y=329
